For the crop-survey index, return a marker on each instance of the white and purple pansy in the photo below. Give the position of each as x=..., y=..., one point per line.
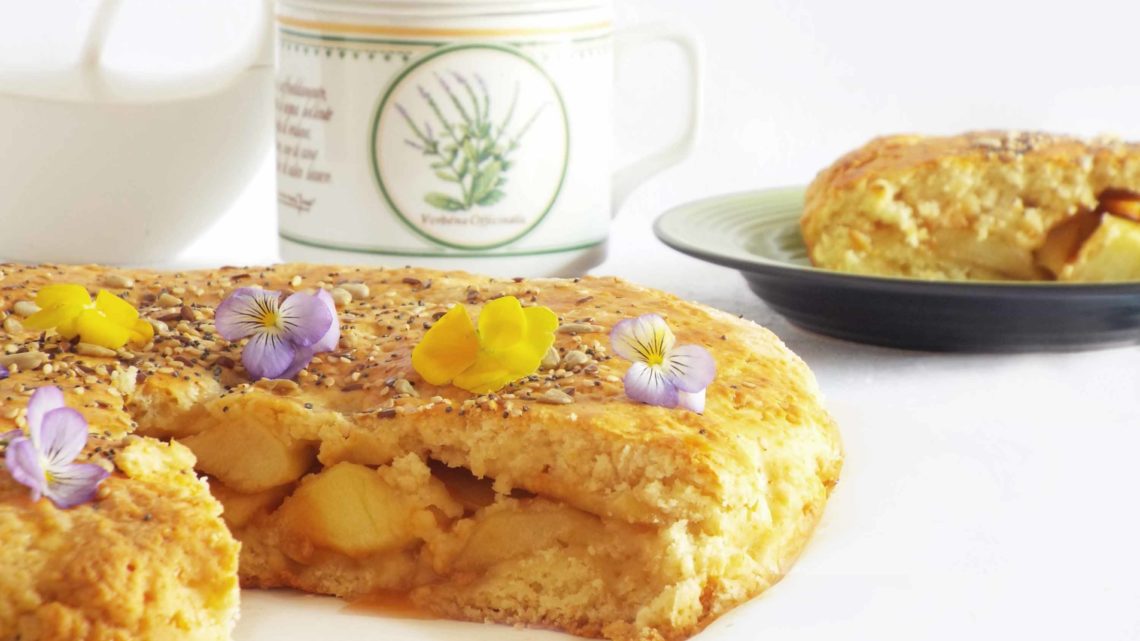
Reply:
x=43, y=459
x=3, y=372
x=283, y=335
x=663, y=373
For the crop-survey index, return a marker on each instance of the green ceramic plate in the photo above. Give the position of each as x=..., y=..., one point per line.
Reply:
x=758, y=233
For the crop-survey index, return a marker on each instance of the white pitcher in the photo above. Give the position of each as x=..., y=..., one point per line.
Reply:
x=124, y=151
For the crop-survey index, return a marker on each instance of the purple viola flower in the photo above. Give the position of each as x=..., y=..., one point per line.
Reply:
x=44, y=459
x=283, y=336
x=3, y=372
x=662, y=373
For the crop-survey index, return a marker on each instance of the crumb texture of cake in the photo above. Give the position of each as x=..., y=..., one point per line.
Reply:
x=148, y=559
x=987, y=205
x=555, y=501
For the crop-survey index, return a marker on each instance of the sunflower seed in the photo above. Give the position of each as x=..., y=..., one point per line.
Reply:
x=159, y=326
x=340, y=296
x=579, y=328
x=551, y=359
x=25, y=308
x=12, y=325
x=359, y=291
x=118, y=281
x=168, y=300
x=24, y=360
x=404, y=387
x=555, y=396
x=88, y=349
x=574, y=358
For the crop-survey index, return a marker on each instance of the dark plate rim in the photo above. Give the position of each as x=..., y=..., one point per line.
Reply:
x=769, y=268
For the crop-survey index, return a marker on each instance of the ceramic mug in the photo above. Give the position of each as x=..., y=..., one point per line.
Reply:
x=456, y=134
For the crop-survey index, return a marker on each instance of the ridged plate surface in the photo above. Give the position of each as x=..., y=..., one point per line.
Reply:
x=758, y=233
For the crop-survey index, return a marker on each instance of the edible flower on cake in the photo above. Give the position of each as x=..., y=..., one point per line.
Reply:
x=663, y=373
x=109, y=321
x=43, y=459
x=283, y=335
x=508, y=345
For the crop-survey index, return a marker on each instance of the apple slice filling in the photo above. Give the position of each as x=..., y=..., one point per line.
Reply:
x=353, y=517
x=413, y=523
x=1101, y=245
x=1121, y=202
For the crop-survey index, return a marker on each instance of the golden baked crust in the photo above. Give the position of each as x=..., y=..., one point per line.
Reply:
x=620, y=519
x=978, y=205
x=148, y=559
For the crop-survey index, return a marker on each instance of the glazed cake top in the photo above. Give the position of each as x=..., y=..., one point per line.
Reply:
x=762, y=429
x=888, y=156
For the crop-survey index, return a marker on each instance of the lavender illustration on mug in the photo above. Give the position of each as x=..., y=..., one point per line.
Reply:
x=470, y=151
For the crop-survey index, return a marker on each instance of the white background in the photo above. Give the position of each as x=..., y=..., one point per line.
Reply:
x=986, y=497
x=792, y=84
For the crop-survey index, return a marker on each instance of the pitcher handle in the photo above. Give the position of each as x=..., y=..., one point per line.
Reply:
x=628, y=178
x=105, y=86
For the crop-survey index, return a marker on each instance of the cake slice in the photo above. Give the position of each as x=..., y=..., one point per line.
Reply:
x=149, y=558
x=555, y=501
x=988, y=205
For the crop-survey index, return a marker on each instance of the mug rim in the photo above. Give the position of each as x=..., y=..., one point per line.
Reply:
x=450, y=8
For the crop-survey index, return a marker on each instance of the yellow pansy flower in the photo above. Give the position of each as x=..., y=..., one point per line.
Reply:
x=508, y=345
x=109, y=321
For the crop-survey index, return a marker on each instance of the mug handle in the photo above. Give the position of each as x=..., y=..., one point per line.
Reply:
x=628, y=178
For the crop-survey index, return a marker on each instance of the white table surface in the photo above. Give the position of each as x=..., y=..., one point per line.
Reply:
x=983, y=496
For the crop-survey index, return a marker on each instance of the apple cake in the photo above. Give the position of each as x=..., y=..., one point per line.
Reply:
x=555, y=501
x=149, y=559
x=987, y=205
